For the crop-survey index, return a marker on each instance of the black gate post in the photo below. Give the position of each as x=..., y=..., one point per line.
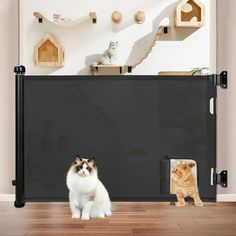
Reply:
x=19, y=173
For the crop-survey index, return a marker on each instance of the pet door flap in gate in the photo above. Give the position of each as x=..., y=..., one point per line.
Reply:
x=177, y=172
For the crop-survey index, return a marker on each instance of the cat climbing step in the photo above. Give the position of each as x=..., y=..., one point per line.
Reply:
x=110, y=69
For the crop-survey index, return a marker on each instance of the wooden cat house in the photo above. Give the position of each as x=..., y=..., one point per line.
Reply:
x=190, y=13
x=49, y=52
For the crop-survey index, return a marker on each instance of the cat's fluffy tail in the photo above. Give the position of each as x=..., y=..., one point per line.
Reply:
x=93, y=69
x=101, y=209
x=96, y=63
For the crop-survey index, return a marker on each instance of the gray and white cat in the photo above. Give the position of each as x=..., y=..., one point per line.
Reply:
x=110, y=55
x=59, y=20
x=88, y=196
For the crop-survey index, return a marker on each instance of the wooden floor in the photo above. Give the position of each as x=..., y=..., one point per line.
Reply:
x=138, y=219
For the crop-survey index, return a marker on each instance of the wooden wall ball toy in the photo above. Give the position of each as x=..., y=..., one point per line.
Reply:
x=116, y=17
x=139, y=17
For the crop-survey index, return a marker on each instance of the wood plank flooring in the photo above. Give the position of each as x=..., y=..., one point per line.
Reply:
x=129, y=218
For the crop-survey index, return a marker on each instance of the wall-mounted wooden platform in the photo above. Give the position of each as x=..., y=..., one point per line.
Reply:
x=110, y=69
x=175, y=73
x=180, y=73
x=41, y=18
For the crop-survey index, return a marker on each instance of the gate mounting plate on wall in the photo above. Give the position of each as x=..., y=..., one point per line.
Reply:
x=19, y=69
x=222, y=79
x=221, y=179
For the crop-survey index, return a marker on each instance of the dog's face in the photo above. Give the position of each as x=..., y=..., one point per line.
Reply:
x=83, y=166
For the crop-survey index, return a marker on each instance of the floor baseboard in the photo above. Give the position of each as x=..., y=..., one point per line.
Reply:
x=7, y=197
x=220, y=197
x=226, y=197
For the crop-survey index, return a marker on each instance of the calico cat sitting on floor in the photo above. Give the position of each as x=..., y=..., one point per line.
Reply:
x=87, y=195
x=184, y=184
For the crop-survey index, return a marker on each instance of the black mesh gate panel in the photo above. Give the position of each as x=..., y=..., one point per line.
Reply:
x=130, y=124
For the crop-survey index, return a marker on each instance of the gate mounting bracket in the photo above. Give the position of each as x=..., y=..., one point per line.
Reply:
x=221, y=80
x=222, y=178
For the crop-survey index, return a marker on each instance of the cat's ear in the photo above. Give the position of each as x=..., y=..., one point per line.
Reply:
x=180, y=163
x=185, y=166
x=78, y=158
x=191, y=164
x=92, y=160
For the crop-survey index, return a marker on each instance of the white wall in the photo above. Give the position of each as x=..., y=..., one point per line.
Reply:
x=226, y=113
x=84, y=42
x=8, y=59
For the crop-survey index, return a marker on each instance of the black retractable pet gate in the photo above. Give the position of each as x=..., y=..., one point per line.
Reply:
x=132, y=125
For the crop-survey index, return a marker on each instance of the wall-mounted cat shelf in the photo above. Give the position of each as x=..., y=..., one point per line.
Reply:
x=190, y=13
x=48, y=52
x=41, y=18
x=175, y=73
x=110, y=69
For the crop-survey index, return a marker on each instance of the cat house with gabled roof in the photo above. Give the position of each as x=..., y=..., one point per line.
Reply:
x=190, y=13
x=49, y=52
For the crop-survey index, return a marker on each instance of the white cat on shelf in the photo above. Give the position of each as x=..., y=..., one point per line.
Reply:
x=87, y=195
x=109, y=57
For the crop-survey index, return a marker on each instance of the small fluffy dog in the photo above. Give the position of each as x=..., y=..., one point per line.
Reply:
x=87, y=195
